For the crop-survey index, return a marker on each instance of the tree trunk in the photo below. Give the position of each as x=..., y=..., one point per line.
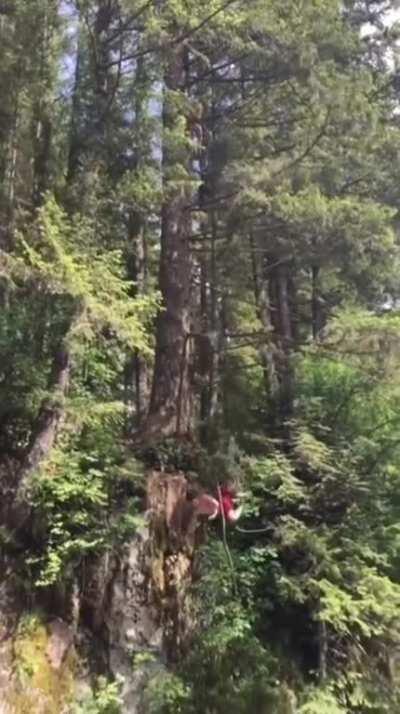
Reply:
x=283, y=328
x=48, y=421
x=216, y=337
x=323, y=651
x=139, y=601
x=170, y=410
x=89, y=129
x=42, y=119
x=74, y=133
x=203, y=350
x=260, y=282
x=10, y=176
x=137, y=369
x=138, y=372
x=316, y=318
x=41, y=177
x=209, y=345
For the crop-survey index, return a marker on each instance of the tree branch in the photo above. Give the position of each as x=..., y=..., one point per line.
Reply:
x=178, y=40
x=48, y=421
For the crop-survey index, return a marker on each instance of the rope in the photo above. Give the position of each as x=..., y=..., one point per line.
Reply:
x=224, y=539
x=252, y=530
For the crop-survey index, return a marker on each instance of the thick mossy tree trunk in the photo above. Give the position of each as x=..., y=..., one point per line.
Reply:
x=137, y=603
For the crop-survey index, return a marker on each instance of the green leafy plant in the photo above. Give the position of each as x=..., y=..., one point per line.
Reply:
x=106, y=699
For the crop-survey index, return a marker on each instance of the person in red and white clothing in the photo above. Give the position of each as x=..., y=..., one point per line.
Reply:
x=225, y=504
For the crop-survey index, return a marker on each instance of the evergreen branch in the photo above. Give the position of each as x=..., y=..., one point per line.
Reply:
x=177, y=41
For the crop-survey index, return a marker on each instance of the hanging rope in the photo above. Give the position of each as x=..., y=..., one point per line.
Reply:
x=225, y=540
x=250, y=531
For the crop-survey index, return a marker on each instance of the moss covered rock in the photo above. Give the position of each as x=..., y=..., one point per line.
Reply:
x=38, y=687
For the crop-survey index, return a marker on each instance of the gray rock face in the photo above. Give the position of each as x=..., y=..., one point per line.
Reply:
x=61, y=639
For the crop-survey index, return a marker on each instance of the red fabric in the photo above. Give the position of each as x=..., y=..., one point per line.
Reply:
x=227, y=503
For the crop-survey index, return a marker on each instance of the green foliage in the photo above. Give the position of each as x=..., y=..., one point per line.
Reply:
x=370, y=609
x=106, y=699
x=167, y=694
x=58, y=295
x=321, y=700
x=86, y=502
x=65, y=257
x=326, y=552
x=227, y=667
x=70, y=500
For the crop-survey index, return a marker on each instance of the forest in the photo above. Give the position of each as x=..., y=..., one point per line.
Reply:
x=200, y=295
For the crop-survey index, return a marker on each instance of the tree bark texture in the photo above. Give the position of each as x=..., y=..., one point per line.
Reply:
x=138, y=370
x=170, y=410
x=42, y=115
x=267, y=349
x=48, y=421
x=138, y=601
x=282, y=320
x=316, y=317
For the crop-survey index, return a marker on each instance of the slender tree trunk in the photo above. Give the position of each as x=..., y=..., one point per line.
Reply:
x=323, y=651
x=48, y=421
x=11, y=120
x=51, y=413
x=104, y=89
x=11, y=174
x=215, y=326
x=316, y=319
x=286, y=337
x=260, y=283
x=204, y=350
x=209, y=344
x=137, y=368
x=210, y=323
x=142, y=377
x=282, y=320
x=74, y=138
x=42, y=157
x=42, y=119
